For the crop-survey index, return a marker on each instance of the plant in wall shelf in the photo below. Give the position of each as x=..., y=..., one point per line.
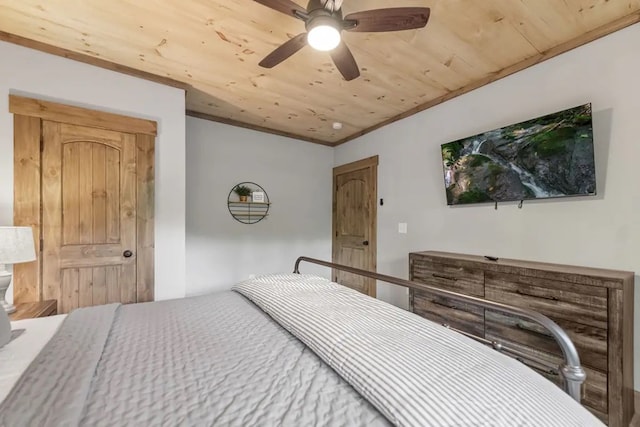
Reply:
x=248, y=213
x=242, y=191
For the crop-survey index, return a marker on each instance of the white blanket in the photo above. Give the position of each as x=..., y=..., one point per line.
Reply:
x=414, y=371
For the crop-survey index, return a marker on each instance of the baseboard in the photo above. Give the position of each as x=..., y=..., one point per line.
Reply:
x=635, y=422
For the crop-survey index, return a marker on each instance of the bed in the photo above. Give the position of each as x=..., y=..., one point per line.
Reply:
x=15, y=359
x=287, y=349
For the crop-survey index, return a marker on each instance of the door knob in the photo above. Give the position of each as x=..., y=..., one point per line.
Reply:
x=127, y=254
x=365, y=243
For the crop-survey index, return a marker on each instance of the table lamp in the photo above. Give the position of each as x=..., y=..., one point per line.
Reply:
x=16, y=246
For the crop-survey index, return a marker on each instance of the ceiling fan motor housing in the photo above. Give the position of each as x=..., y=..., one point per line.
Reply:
x=322, y=18
x=326, y=15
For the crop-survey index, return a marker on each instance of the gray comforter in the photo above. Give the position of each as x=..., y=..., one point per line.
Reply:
x=308, y=353
x=210, y=360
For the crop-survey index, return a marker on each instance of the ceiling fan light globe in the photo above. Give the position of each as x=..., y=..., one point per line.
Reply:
x=323, y=37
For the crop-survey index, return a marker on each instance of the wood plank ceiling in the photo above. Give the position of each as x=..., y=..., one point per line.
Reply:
x=212, y=48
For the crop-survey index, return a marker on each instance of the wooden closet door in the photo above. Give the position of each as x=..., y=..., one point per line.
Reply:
x=89, y=215
x=354, y=222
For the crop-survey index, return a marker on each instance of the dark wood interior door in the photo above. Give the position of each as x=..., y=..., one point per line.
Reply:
x=354, y=222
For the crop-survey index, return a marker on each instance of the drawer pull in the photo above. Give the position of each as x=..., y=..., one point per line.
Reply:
x=444, y=304
x=527, y=328
x=442, y=276
x=550, y=372
x=551, y=298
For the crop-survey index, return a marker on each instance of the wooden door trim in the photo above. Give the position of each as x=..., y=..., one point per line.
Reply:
x=26, y=203
x=145, y=242
x=370, y=163
x=55, y=112
x=27, y=197
x=357, y=165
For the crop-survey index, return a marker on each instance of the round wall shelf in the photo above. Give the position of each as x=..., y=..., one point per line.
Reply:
x=252, y=210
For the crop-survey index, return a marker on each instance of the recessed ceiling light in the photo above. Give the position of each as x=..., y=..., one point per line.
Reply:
x=337, y=125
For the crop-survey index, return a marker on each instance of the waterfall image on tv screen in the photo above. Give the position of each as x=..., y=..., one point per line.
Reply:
x=551, y=156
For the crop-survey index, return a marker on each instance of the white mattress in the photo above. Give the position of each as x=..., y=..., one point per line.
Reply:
x=16, y=356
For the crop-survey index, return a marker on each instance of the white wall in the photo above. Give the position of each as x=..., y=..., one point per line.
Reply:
x=31, y=73
x=297, y=177
x=601, y=231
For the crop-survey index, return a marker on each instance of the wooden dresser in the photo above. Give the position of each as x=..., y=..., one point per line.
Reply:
x=594, y=306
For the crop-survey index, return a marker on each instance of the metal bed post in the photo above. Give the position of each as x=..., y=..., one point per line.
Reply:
x=571, y=370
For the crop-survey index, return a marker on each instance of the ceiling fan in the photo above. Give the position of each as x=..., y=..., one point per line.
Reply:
x=324, y=22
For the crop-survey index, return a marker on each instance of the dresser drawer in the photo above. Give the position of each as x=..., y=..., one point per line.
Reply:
x=452, y=277
x=590, y=342
x=447, y=311
x=594, y=389
x=582, y=304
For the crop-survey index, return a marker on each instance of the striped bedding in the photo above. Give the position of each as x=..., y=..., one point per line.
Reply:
x=415, y=372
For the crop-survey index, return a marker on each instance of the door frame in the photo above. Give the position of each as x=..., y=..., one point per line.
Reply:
x=370, y=163
x=28, y=114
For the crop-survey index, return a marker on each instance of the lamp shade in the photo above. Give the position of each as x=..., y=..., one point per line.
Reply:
x=16, y=245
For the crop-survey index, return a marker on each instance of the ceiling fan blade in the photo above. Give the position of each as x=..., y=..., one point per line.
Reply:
x=392, y=19
x=287, y=7
x=284, y=51
x=345, y=62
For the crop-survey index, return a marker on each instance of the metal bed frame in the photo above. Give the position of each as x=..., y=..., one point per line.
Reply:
x=571, y=370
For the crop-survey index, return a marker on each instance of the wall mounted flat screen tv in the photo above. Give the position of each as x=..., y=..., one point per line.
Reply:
x=551, y=156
